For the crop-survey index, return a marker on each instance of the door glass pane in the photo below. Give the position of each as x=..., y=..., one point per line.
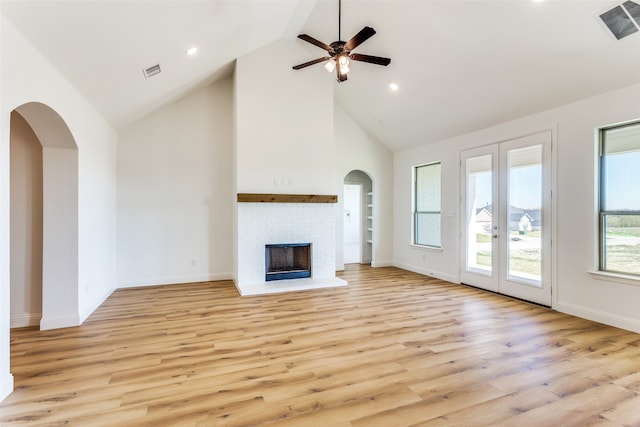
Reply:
x=479, y=215
x=525, y=215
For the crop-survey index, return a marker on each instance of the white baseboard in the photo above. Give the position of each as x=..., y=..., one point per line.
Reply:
x=599, y=316
x=55, y=322
x=381, y=264
x=428, y=272
x=24, y=320
x=6, y=386
x=173, y=280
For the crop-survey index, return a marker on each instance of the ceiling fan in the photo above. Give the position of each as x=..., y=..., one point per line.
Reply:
x=340, y=52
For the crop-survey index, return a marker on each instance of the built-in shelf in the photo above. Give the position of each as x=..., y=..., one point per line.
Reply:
x=370, y=218
x=287, y=198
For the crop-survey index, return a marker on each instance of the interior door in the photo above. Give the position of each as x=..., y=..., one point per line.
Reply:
x=352, y=221
x=506, y=205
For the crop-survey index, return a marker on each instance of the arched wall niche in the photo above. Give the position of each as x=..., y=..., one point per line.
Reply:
x=60, y=299
x=367, y=211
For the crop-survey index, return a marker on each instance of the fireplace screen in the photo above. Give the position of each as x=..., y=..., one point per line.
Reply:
x=288, y=261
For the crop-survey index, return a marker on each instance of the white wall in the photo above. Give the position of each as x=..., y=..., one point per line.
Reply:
x=284, y=145
x=26, y=224
x=438, y=263
x=357, y=150
x=25, y=76
x=175, y=195
x=284, y=123
x=575, y=241
x=6, y=379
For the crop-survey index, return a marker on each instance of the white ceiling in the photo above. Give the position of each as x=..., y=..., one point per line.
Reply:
x=460, y=65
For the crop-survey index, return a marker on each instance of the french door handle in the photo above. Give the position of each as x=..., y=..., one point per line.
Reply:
x=495, y=236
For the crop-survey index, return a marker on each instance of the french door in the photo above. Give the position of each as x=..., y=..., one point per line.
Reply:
x=506, y=218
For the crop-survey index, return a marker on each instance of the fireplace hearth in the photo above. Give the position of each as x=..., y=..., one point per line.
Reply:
x=287, y=261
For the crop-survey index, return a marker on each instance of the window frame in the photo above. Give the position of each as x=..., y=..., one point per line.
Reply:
x=602, y=212
x=416, y=213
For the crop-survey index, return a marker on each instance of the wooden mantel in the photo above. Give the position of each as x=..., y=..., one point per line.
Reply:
x=286, y=198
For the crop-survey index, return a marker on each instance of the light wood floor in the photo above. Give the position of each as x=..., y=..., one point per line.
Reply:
x=391, y=349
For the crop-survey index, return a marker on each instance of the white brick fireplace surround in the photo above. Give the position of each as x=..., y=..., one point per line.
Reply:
x=260, y=224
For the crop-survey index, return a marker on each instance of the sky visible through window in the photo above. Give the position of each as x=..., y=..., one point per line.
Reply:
x=622, y=181
x=622, y=184
x=526, y=186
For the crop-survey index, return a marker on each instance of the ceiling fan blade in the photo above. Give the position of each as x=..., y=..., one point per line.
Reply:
x=359, y=38
x=313, y=41
x=315, y=61
x=372, y=59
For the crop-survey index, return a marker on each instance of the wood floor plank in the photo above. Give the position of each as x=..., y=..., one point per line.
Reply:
x=393, y=348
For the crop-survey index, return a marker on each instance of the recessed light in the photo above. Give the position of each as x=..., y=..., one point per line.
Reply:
x=192, y=51
x=394, y=87
x=537, y=1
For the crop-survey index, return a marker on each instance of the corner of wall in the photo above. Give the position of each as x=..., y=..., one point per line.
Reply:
x=6, y=386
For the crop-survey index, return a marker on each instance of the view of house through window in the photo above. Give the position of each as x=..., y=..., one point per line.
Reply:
x=524, y=213
x=427, y=195
x=620, y=199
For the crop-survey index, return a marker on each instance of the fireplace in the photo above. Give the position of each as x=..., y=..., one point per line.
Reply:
x=287, y=261
x=261, y=223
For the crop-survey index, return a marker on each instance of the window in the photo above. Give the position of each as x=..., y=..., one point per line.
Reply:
x=620, y=199
x=426, y=205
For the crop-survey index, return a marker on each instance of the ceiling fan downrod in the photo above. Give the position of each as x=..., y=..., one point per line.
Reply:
x=339, y=18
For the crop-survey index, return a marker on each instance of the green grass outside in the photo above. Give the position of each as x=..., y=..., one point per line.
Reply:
x=623, y=258
x=624, y=231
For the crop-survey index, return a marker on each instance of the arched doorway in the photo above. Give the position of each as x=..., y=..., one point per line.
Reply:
x=50, y=221
x=358, y=220
x=26, y=224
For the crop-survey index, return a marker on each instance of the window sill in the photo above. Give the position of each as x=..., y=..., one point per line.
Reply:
x=625, y=279
x=426, y=248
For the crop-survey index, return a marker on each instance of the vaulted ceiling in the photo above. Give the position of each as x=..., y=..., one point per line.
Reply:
x=460, y=65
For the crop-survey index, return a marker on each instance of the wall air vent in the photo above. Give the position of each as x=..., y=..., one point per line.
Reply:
x=151, y=71
x=623, y=20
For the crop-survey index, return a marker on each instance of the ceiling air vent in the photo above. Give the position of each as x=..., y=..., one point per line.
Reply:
x=623, y=20
x=151, y=71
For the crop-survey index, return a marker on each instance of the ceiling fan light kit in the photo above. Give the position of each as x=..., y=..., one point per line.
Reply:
x=340, y=52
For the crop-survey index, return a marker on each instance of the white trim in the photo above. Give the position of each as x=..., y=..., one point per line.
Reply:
x=6, y=386
x=55, y=322
x=426, y=248
x=24, y=320
x=599, y=316
x=554, y=216
x=176, y=280
x=428, y=272
x=377, y=264
x=625, y=279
